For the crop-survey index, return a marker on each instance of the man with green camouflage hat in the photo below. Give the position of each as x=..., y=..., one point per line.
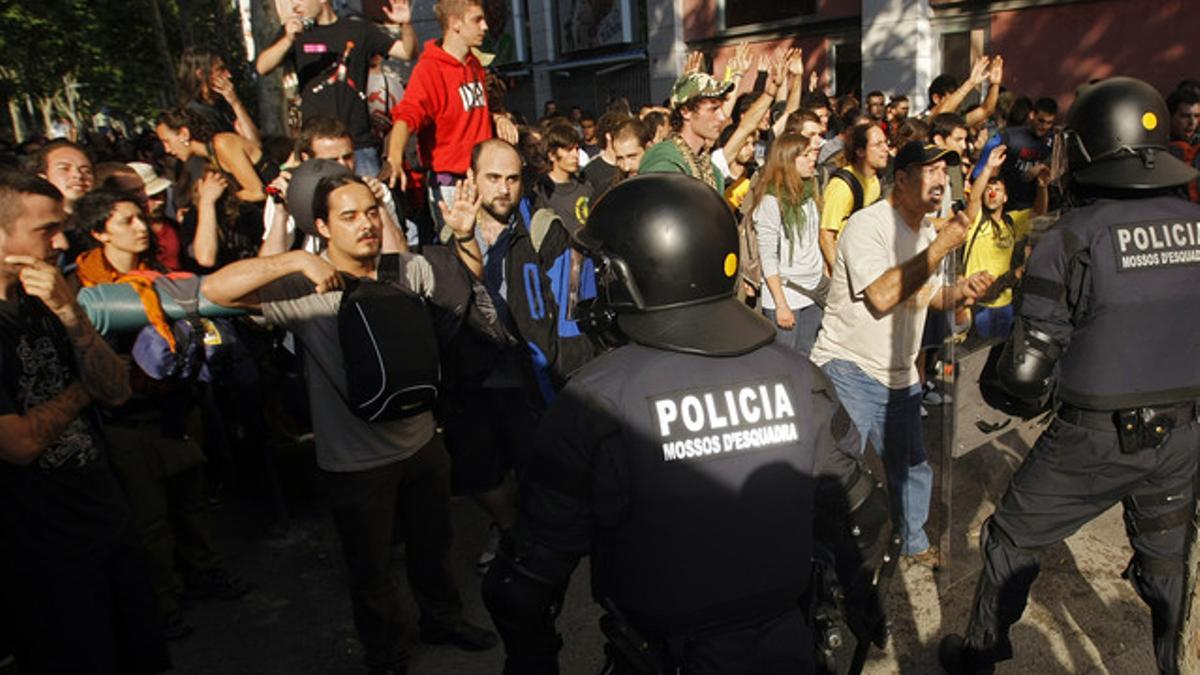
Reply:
x=696, y=122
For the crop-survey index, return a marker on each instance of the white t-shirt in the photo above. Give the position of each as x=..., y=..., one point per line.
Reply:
x=721, y=164
x=876, y=239
x=801, y=265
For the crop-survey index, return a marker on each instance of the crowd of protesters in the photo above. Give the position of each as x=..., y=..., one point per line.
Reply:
x=112, y=461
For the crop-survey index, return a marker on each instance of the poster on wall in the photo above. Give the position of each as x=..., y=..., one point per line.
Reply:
x=587, y=24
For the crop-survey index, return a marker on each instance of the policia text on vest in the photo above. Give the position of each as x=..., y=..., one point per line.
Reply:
x=700, y=424
x=1156, y=245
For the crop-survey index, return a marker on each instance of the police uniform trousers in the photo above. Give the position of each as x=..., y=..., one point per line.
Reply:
x=1075, y=472
x=776, y=645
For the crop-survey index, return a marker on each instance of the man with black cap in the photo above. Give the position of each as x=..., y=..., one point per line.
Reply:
x=697, y=118
x=886, y=276
x=1123, y=255
x=689, y=462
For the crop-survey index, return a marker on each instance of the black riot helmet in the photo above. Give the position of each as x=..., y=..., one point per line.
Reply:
x=1116, y=137
x=666, y=250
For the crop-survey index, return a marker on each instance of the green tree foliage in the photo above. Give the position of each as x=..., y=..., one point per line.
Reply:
x=109, y=49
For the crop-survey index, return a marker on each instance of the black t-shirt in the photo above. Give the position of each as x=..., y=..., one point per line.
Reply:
x=570, y=200
x=66, y=505
x=600, y=175
x=332, y=63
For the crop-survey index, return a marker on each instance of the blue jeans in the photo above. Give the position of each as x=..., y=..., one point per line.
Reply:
x=366, y=162
x=891, y=420
x=804, y=334
x=993, y=322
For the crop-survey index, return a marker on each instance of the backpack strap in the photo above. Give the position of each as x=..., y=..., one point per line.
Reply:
x=388, y=270
x=966, y=256
x=856, y=188
x=539, y=226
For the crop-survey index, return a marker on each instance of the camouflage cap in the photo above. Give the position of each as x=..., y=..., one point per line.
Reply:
x=691, y=85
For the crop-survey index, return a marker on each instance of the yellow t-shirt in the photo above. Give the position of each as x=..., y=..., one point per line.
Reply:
x=992, y=251
x=736, y=192
x=839, y=200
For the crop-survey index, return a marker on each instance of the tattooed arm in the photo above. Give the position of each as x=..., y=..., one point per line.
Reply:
x=101, y=372
x=24, y=437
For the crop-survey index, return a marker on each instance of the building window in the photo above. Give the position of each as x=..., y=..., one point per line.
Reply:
x=846, y=58
x=959, y=50
x=583, y=25
x=746, y=12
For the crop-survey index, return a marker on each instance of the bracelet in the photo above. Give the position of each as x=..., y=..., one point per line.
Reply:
x=463, y=240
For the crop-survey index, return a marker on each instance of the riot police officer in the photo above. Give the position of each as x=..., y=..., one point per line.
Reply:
x=689, y=462
x=1124, y=255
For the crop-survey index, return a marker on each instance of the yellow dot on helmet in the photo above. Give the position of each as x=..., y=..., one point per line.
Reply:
x=1150, y=121
x=731, y=264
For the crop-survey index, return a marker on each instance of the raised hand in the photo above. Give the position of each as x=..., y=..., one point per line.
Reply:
x=795, y=63
x=460, y=216
x=377, y=188
x=223, y=85
x=978, y=70
x=742, y=60
x=694, y=63
x=293, y=27
x=777, y=70
x=398, y=12
x=996, y=159
x=996, y=72
x=211, y=186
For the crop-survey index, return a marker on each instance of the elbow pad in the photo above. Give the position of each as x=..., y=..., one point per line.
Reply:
x=1026, y=367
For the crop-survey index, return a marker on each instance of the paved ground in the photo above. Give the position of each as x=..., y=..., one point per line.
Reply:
x=1083, y=618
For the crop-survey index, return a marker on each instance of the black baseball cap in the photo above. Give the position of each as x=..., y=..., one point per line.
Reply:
x=303, y=187
x=916, y=152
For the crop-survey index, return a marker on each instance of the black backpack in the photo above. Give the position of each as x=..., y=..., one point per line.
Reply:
x=389, y=346
x=856, y=188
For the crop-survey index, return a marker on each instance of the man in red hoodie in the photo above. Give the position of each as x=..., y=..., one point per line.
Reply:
x=445, y=103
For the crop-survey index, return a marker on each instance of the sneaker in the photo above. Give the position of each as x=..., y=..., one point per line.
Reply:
x=489, y=549
x=929, y=558
x=216, y=583
x=924, y=412
x=931, y=395
x=465, y=636
x=175, y=628
x=957, y=659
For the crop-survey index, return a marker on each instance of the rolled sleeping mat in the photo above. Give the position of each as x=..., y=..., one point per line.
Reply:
x=116, y=308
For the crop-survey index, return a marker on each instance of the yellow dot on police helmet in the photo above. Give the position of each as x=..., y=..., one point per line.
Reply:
x=731, y=264
x=1150, y=121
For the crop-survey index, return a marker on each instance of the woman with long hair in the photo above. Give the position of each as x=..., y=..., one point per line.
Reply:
x=787, y=217
x=206, y=88
x=185, y=134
